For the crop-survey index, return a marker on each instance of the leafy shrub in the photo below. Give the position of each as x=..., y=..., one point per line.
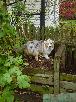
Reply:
x=11, y=75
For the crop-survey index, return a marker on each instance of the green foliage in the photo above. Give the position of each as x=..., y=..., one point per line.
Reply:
x=64, y=33
x=7, y=95
x=22, y=81
x=5, y=28
x=12, y=75
x=11, y=66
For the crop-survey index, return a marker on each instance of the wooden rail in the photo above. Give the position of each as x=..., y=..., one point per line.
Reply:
x=44, y=83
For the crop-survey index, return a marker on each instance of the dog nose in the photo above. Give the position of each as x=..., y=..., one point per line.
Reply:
x=50, y=46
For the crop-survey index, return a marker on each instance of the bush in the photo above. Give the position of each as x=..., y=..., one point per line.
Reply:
x=68, y=10
x=11, y=66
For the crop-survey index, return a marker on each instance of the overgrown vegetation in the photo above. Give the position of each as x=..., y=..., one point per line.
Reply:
x=13, y=35
x=11, y=66
x=64, y=33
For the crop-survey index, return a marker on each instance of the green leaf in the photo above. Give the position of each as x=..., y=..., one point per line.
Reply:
x=8, y=95
x=26, y=77
x=7, y=78
x=1, y=34
x=13, y=61
x=15, y=70
x=2, y=82
x=23, y=81
x=7, y=64
x=18, y=60
x=2, y=99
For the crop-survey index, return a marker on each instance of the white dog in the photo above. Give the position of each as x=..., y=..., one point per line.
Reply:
x=36, y=47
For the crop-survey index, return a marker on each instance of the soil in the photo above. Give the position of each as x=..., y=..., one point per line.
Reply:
x=47, y=65
x=27, y=96
x=41, y=63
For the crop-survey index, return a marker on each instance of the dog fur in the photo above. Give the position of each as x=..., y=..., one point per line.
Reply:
x=36, y=47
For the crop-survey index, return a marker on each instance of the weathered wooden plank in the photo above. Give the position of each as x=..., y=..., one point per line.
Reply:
x=67, y=77
x=35, y=71
x=64, y=87
x=63, y=97
x=47, y=80
x=43, y=79
x=68, y=86
x=42, y=89
x=49, y=75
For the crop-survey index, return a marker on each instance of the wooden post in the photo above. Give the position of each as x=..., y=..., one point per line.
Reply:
x=56, y=75
x=57, y=59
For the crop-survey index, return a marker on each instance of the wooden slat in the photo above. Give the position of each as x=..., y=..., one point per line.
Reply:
x=42, y=89
x=48, y=78
x=64, y=87
x=42, y=79
x=68, y=86
x=67, y=77
x=63, y=77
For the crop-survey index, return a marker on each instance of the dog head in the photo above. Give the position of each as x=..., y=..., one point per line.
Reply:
x=49, y=43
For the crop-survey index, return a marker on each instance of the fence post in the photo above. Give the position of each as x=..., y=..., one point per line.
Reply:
x=56, y=75
x=57, y=60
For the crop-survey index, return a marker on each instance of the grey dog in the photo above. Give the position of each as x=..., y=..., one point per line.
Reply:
x=36, y=47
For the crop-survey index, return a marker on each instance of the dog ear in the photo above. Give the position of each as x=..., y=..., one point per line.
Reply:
x=53, y=41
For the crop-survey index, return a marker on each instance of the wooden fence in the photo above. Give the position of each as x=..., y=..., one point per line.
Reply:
x=53, y=82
